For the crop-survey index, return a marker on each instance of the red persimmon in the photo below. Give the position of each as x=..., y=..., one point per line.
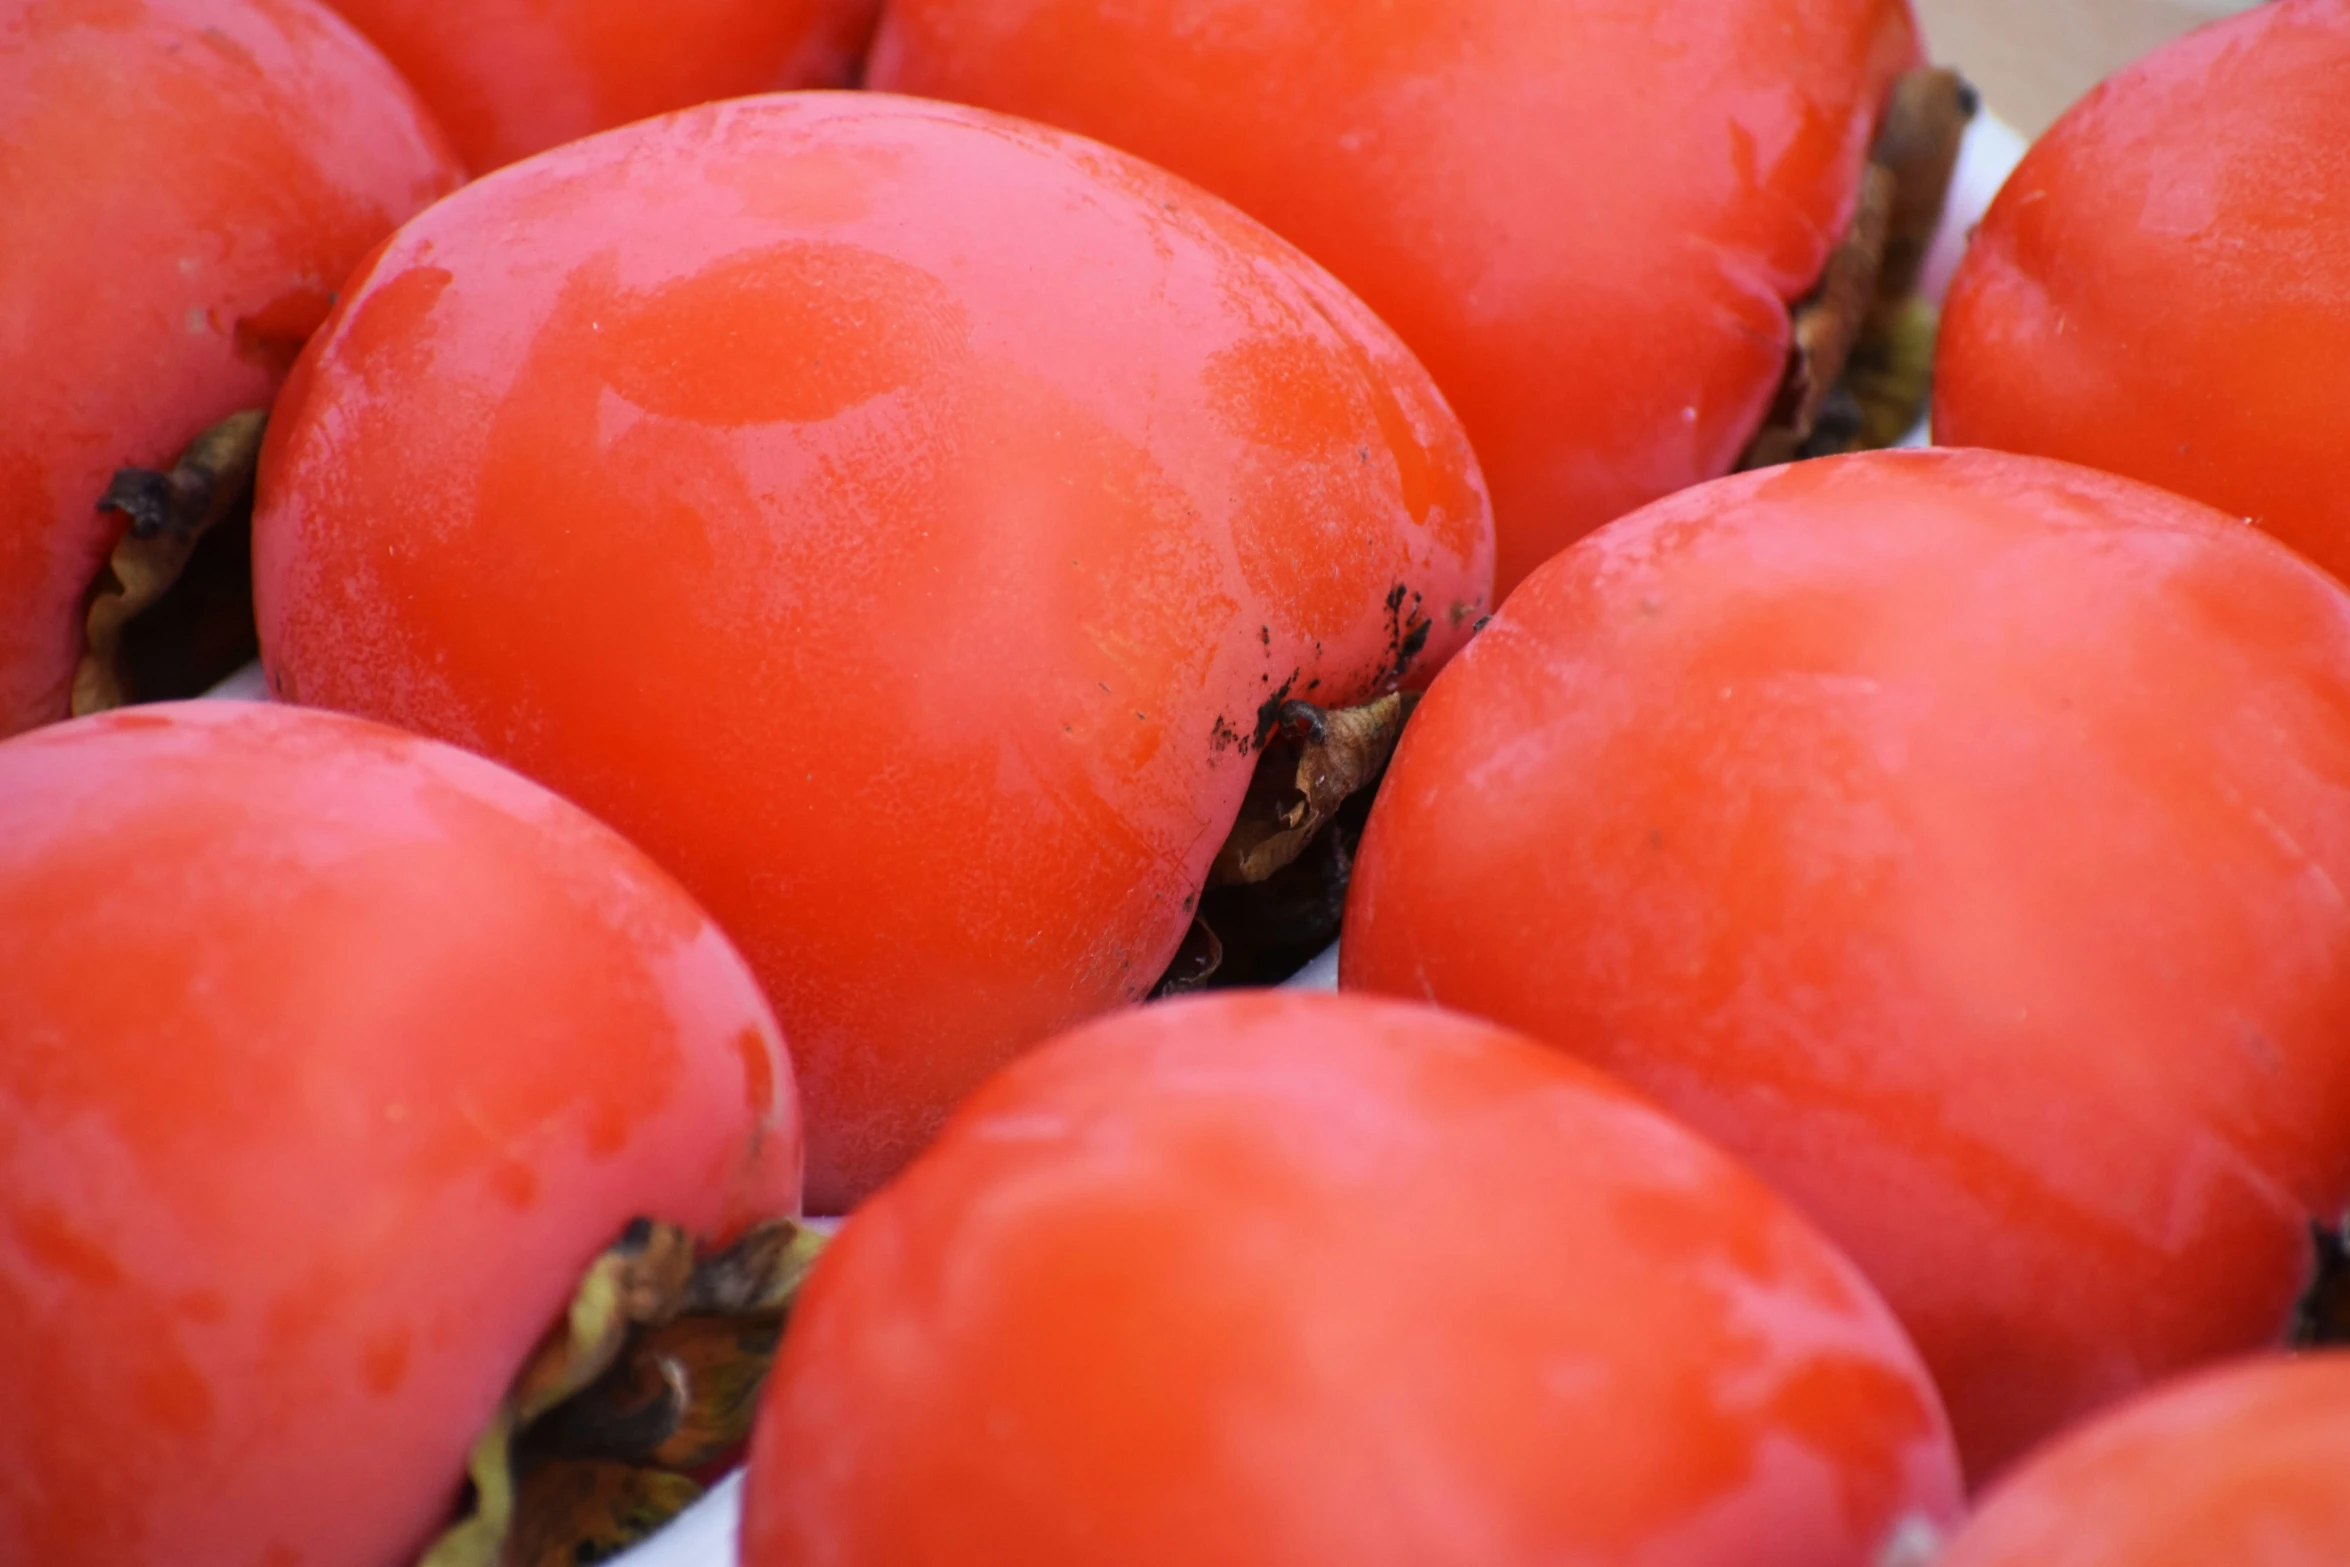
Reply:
x=512, y=77
x=1269, y=1279
x=1587, y=220
x=185, y=184
x=1961, y=838
x=329, y=1057
x=2241, y=1466
x=901, y=521
x=2162, y=289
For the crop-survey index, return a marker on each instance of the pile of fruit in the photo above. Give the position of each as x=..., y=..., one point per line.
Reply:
x=828, y=649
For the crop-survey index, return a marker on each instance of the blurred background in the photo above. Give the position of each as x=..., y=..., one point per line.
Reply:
x=2031, y=58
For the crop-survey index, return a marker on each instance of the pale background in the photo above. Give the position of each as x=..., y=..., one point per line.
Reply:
x=2030, y=58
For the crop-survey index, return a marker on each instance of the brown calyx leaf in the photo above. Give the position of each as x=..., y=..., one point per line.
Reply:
x=1861, y=343
x=1315, y=759
x=1278, y=886
x=628, y=1393
x=1825, y=325
x=2323, y=1319
x=590, y=1512
x=171, y=513
x=1925, y=121
x=1196, y=962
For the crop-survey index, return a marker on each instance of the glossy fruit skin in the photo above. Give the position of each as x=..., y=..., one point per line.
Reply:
x=186, y=183
x=331, y=1056
x=1587, y=220
x=512, y=77
x=896, y=519
x=2159, y=291
x=2241, y=1466
x=1956, y=837
x=1269, y=1278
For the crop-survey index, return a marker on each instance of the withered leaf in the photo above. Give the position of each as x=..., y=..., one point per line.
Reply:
x=1861, y=343
x=580, y=1512
x=628, y=1375
x=170, y=513
x=1315, y=759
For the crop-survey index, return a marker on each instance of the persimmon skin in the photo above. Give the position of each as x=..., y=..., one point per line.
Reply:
x=2160, y=289
x=186, y=183
x=1281, y=1280
x=331, y=1057
x=1587, y=220
x=2241, y=1465
x=508, y=78
x=899, y=520
x=1958, y=838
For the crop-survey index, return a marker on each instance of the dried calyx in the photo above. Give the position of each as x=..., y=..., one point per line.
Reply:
x=2324, y=1318
x=171, y=613
x=651, y=1379
x=1861, y=343
x=1278, y=885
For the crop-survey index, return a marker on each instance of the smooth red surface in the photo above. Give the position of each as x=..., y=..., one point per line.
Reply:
x=2162, y=288
x=2242, y=1467
x=329, y=1059
x=1586, y=219
x=1961, y=839
x=1281, y=1279
x=894, y=518
x=513, y=77
x=183, y=186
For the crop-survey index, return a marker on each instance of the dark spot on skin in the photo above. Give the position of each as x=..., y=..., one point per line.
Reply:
x=1224, y=737
x=1482, y=622
x=1407, y=634
x=1265, y=635
x=1269, y=712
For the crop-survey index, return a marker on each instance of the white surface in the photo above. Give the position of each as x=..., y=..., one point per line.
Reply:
x=702, y=1536
x=246, y=685
x=1321, y=974
x=1986, y=157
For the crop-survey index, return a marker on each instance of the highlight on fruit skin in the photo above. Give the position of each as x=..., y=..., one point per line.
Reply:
x=2161, y=289
x=185, y=183
x=2241, y=1465
x=1280, y=1280
x=331, y=1057
x=509, y=78
x=1958, y=838
x=1600, y=226
x=905, y=523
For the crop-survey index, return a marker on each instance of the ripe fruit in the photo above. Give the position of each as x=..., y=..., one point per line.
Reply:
x=330, y=1057
x=2160, y=289
x=901, y=521
x=513, y=77
x=186, y=182
x=2242, y=1466
x=1587, y=220
x=1958, y=837
x=1278, y=1279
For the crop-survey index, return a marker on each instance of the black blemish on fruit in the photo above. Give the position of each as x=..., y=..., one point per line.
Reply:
x=1269, y=711
x=1407, y=634
x=1223, y=737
